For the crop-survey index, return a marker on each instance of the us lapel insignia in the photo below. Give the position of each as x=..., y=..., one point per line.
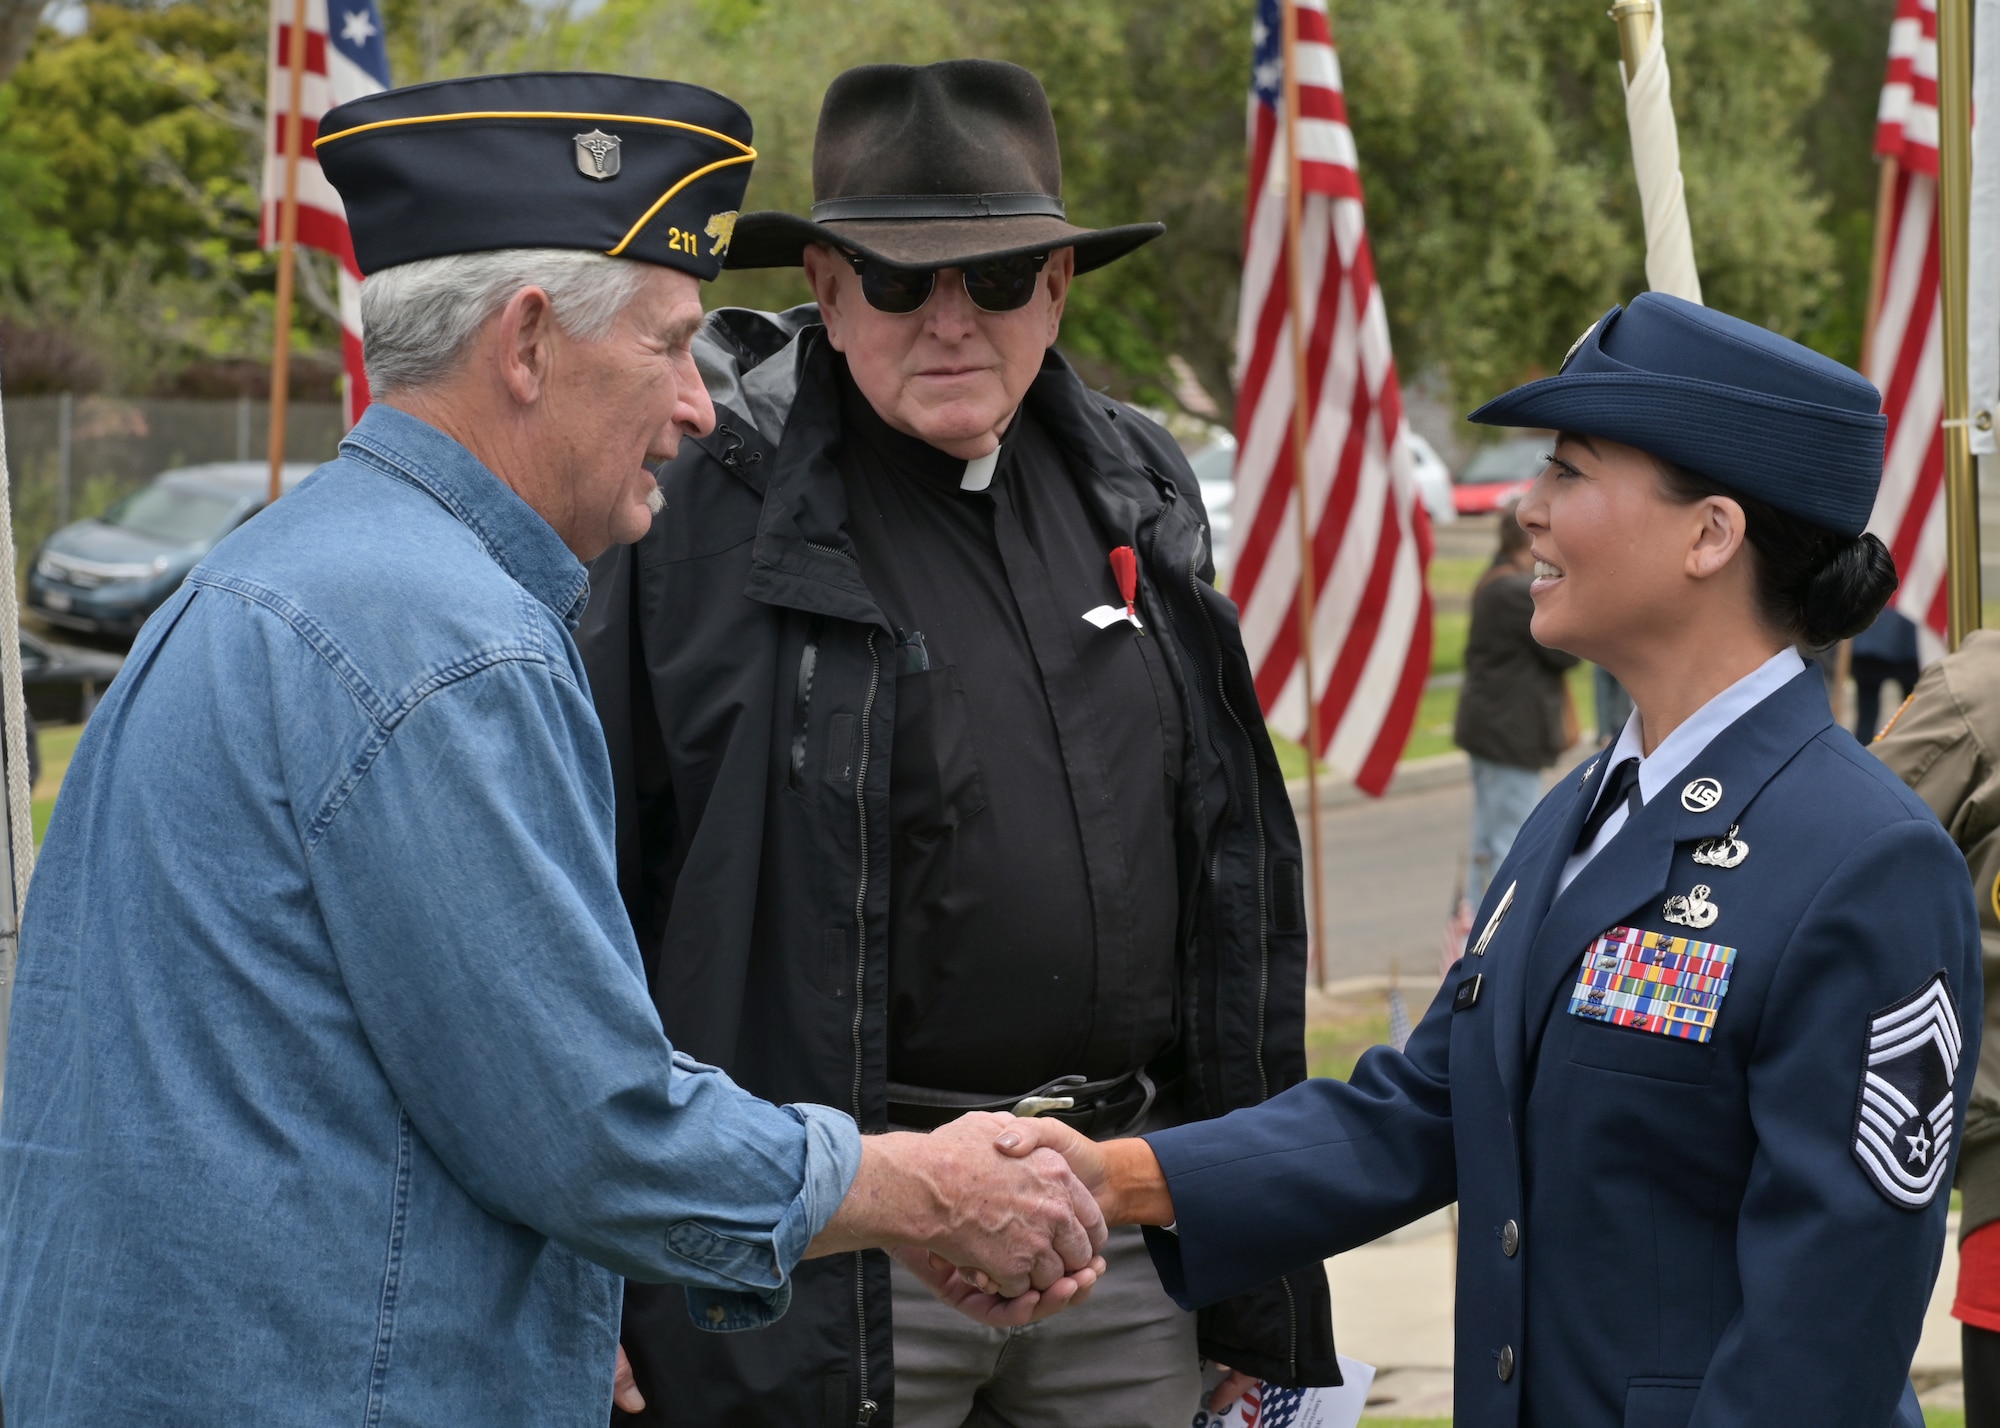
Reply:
x=1493, y=922
x=1701, y=794
x=1693, y=910
x=1902, y=1125
x=1589, y=769
x=1724, y=852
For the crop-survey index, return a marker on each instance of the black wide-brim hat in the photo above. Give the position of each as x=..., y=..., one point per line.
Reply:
x=1750, y=410
x=933, y=166
x=647, y=169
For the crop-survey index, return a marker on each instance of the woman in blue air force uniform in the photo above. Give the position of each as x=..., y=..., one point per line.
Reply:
x=1697, y=1082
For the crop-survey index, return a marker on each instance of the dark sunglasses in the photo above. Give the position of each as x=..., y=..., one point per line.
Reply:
x=995, y=285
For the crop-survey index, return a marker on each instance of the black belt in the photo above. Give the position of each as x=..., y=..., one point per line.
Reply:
x=1097, y=1108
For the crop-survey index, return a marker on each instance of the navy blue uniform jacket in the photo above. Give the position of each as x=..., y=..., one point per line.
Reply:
x=1654, y=1231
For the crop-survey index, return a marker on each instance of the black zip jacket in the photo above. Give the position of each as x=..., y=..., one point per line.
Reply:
x=746, y=683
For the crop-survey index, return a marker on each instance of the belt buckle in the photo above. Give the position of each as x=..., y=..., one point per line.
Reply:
x=1037, y=1105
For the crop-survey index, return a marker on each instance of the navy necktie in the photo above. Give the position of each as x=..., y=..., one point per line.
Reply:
x=1621, y=787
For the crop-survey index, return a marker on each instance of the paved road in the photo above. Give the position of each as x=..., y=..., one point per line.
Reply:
x=1390, y=867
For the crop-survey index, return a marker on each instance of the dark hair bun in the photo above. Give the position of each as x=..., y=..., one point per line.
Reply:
x=1847, y=591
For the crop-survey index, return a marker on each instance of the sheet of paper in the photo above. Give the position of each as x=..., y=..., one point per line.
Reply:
x=1269, y=1407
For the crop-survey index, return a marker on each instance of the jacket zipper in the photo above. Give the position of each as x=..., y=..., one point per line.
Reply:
x=868, y=1405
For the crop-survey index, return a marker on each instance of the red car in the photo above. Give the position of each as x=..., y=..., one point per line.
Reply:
x=1499, y=473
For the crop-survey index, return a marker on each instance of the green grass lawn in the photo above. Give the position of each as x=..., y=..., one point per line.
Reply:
x=58, y=743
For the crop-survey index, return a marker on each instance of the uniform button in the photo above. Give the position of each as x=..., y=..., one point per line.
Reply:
x=1510, y=1239
x=1506, y=1364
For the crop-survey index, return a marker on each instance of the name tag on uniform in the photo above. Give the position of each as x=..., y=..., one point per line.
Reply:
x=1672, y=986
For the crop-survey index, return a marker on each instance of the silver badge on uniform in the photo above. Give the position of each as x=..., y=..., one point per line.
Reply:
x=1493, y=922
x=1700, y=795
x=597, y=154
x=1724, y=852
x=1902, y=1125
x=1693, y=910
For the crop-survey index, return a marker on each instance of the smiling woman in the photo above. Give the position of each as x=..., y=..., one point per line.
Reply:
x=1723, y=983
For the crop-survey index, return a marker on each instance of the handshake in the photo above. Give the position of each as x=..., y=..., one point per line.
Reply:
x=1003, y=1218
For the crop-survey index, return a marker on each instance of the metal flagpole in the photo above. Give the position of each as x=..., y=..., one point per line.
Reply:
x=1961, y=481
x=288, y=244
x=1294, y=218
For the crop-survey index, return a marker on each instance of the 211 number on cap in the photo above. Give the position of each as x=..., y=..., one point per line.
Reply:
x=680, y=240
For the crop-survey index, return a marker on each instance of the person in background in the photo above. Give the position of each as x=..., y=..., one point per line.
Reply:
x=1885, y=651
x=1512, y=717
x=1943, y=744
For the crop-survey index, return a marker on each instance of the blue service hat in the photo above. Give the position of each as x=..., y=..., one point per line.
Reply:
x=647, y=169
x=1750, y=410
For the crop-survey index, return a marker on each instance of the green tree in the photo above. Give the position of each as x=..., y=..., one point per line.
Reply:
x=144, y=139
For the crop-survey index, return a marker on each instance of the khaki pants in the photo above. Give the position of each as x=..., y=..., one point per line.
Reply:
x=1124, y=1359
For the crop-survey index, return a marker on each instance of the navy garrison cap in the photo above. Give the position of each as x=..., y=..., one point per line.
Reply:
x=1748, y=409
x=635, y=168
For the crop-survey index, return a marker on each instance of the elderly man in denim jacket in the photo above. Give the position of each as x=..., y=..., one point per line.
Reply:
x=336, y=1093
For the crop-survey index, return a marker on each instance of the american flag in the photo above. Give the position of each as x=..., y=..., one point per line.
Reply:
x=343, y=62
x=1906, y=357
x=1370, y=536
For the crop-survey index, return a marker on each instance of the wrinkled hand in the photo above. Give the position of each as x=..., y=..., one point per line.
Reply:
x=1019, y=1218
x=1024, y=1221
x=969, y=1292
x=1041, y=1134
x=625, y=1393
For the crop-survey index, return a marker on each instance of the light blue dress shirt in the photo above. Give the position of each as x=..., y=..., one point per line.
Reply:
x=1678, y=749
x=335, y=1093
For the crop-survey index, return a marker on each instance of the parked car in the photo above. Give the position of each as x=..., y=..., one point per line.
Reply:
x=1499, y=473
x=63, y=683
x=108, y=573
x=1433, y=481
x=1215, y=468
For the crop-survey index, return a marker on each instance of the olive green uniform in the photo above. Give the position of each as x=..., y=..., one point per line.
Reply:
x=1945, y=744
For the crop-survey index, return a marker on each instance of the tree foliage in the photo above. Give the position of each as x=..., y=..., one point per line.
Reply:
x=1491, y=133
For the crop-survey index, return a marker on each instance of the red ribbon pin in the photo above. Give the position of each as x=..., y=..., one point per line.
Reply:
x=1125, y=569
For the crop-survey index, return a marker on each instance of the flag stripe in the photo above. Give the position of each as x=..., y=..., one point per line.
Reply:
x=1906, y=360
x=338, y=68
x=1370, y=542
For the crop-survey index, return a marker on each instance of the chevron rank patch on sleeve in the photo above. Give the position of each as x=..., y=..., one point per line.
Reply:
x=1902, y=1118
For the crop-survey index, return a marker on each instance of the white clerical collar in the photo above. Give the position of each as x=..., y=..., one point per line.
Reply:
x=979, y=471
x=1678, y=749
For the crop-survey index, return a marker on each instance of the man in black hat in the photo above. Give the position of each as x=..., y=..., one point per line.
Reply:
x=335, y=1093
x=941, y=780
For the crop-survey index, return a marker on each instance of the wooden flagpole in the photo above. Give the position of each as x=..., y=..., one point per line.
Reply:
x=1878, y=260
x=288, y=245
x=1295, y=277
x=1961, y=477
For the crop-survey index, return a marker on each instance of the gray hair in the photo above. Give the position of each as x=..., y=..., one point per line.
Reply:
x=417, y=318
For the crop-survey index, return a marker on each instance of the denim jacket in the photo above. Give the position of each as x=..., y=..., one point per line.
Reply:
x=336, y=1094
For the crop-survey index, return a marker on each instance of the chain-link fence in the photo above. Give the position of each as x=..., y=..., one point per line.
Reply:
x=71, y=457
